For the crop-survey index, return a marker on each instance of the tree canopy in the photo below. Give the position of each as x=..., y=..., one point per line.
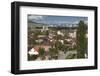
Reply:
x=81, y=40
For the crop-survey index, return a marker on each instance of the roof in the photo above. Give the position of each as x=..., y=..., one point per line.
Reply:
x=33, y=52
x=46, y=47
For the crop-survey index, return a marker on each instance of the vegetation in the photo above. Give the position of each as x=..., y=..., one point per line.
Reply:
x=42, y=53
x=32, y=57
x=53, y=52
x=81, y=40
x=72, y=56
x=57, y=43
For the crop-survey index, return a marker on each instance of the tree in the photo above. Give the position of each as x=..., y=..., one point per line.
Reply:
x=81, y=40
x=53, y=52
x=42, y=53
x=32, y=57
x=58, y=45
x=64, y=48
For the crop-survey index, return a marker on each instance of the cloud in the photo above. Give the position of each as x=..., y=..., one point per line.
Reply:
x=34, y=17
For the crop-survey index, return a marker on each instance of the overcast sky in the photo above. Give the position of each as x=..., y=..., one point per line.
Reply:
x=48, y=19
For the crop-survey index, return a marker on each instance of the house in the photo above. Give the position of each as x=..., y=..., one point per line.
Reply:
x=46, y=47
x=44, y=28
x=41, y=36
x=68, y=39
x=60, y=33
x=39, y=40
x=72, y=34
x=35, y=49
x=62, y=41
x=32, y=52
x=50, y=36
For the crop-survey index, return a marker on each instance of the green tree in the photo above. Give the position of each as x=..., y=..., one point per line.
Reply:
x=81, y=40
x=42, y=53
x=64, y=48
x=58, y=45
x=32, y=57
x=53, y=52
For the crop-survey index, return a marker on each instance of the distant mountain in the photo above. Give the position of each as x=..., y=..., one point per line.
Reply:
x=34, y=24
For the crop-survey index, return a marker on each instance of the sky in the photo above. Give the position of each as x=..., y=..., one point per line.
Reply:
x=50, y=19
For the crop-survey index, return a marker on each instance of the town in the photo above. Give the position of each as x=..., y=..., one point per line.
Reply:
x=52, y=42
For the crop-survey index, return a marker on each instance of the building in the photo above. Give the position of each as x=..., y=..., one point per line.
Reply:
x=60, y=33
x=45, y=28
x=33, y=52
x=72, y=34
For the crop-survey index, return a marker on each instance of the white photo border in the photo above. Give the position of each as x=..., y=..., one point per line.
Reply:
x=26, y=65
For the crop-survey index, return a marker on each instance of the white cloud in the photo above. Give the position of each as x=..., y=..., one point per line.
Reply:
x=34, y=17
